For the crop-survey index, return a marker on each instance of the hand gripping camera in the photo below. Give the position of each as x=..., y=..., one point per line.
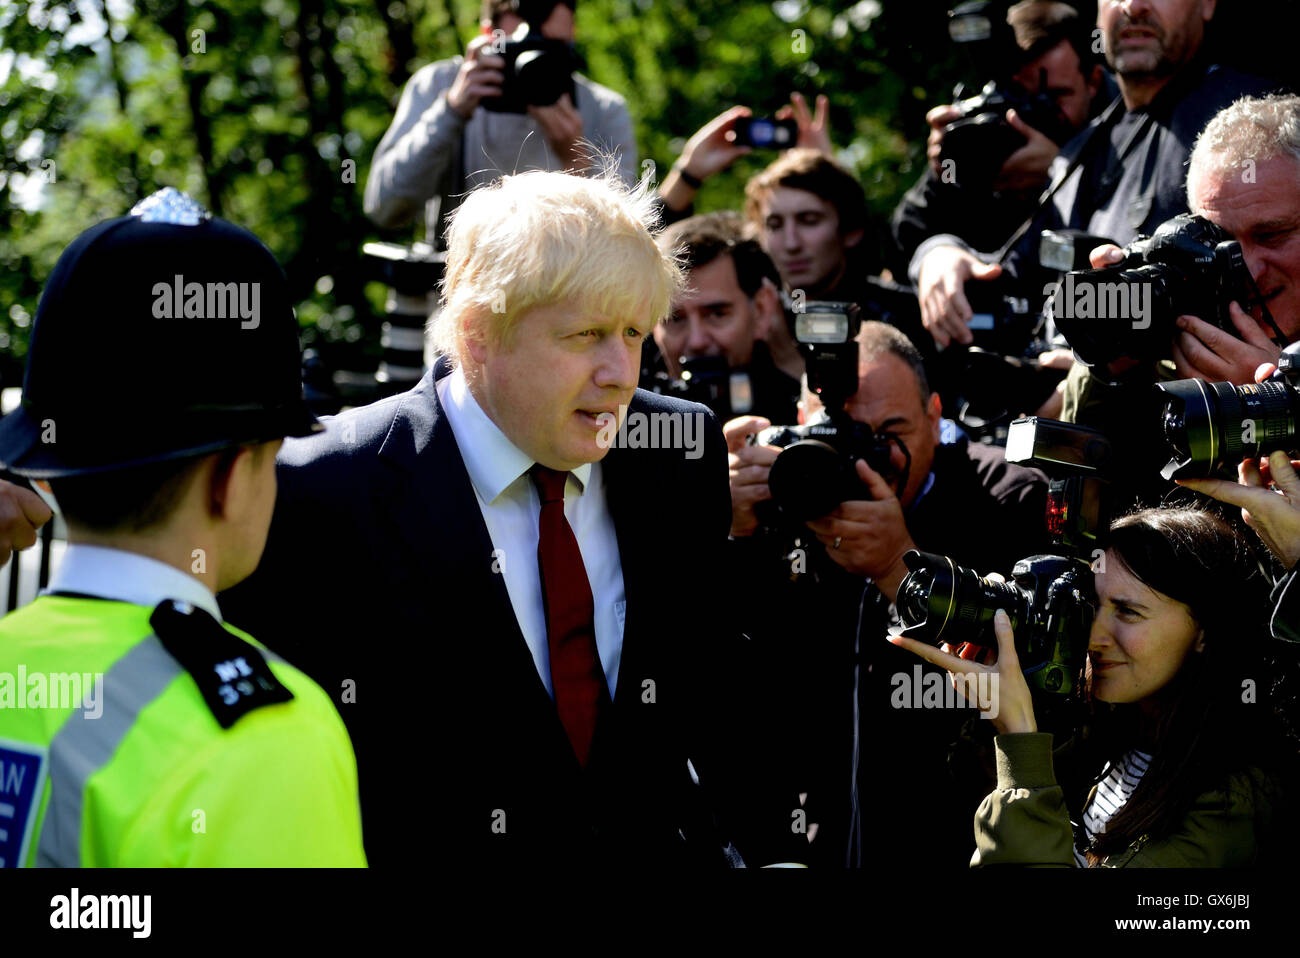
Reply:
x=1187, y=266
x=1211, y=427
x=816, y=469
x=1050, y=599
x=981, y=139
x=538, y=71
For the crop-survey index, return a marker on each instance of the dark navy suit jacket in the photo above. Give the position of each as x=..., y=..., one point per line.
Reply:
x=378, y=581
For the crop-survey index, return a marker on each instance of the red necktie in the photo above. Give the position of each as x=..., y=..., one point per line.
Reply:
x=576, y=673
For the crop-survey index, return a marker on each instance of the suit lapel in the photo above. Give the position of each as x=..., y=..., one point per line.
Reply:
x=432, y=506
x=626, y=509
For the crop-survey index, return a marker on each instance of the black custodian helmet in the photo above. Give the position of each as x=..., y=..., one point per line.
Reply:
x=161, y=334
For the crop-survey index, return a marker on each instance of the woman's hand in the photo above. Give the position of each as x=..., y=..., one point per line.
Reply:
x=1269, y=497
x=1008, y=704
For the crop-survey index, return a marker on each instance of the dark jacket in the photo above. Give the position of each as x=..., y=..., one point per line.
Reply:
x=824, y=632
x=1127, y=172
x=378, y=581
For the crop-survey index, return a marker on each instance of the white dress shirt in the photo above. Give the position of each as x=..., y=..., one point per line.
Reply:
x=511, y=508
x=128, y=577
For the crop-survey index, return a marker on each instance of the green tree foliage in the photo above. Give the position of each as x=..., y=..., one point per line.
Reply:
x=258, y=108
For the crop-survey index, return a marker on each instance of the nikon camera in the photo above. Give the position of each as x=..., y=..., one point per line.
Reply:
x=1187, y=266
x=538, y=71
x=1050, y=599
x=980, y=140
x=815, y=471
x=1210, y=427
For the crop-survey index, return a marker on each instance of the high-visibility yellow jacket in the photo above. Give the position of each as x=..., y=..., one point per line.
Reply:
x=155, y=780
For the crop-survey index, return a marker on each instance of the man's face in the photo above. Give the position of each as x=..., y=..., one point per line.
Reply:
x=889, y=401
x=558, y=26
x=713, y=317
x=1057, y=73
x=801, y=232
x=1152, y=37
x=549, y=385
x=1264, y=215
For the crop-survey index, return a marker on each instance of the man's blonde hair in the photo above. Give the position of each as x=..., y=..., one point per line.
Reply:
x=540, y=238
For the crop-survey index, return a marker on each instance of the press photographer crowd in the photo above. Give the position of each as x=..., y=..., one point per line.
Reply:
x=704, y=539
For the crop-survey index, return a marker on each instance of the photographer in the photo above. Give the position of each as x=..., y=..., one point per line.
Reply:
x=810, y=215
x=1122, y=176
x=1194, y=768
x=444, y=142
x=726, y=311
x=827, y=585
x=1056, y=60
x=1243, y=177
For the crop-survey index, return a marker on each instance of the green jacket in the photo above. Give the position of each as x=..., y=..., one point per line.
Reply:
x=1024, y=820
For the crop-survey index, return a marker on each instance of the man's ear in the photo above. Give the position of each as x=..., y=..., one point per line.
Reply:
x=1094, y=81
x=1207, y=9
x=228, y=476
x=1199, y=644
x=475, y=337
x=934, y=413
x=767, y=303
x=852, y=239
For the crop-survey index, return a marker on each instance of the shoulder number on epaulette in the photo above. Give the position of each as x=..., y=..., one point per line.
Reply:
x=231, y=674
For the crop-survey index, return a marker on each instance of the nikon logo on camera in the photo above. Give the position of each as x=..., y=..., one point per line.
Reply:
x=1088, y=299
x=181, y=300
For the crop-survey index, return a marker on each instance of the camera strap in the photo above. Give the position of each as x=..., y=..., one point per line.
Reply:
x=1109, y=117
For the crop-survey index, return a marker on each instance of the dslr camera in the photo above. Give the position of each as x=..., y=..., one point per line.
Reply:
x=981, y=139
x=1050, y=599
x=1188, y=265
x=705, y=379
x=815, y=470
x=538, y=71
x=1210, y=427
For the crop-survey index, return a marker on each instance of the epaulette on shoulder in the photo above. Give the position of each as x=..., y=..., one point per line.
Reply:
x=231, y=674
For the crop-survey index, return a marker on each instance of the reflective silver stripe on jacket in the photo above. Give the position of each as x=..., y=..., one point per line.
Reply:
x=83, y=746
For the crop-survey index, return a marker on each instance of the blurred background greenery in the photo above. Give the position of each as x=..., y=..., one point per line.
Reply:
x=268, y=111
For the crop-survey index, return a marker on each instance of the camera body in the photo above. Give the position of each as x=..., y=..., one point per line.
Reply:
x=538, y=71
x=1050, y=599
x=1187, y=266
x=981, y=140
x=707, y=380
x=815, y=471
x=1210, y=427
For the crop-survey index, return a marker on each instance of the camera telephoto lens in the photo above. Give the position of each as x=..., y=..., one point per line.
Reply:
x=808, y=478
x=940, y=601
x=1211, y=427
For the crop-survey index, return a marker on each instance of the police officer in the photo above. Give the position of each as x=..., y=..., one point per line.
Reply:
x=135, y=728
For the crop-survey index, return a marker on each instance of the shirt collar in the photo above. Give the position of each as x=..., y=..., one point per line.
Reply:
x=493, y=462
x=929, y=484
x=128, y=577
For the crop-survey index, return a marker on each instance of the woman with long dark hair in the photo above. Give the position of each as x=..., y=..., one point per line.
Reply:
x=1190, y=713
